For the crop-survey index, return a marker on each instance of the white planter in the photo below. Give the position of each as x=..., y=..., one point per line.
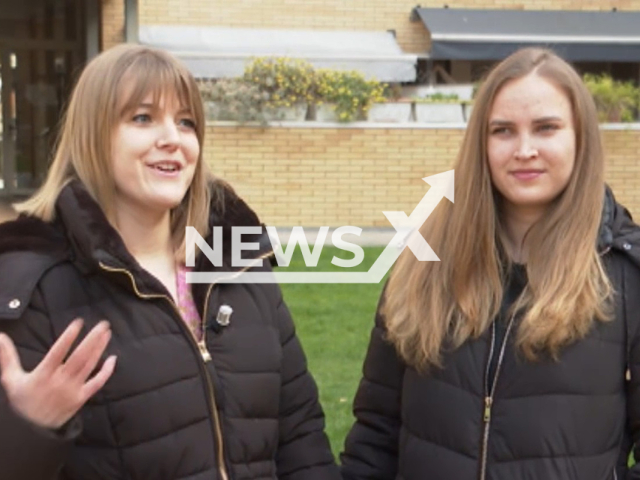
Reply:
x=325, y=112
x=390, y=112
x=295, y=113
x=439, y=113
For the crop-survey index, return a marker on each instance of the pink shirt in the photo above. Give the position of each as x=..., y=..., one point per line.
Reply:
x=186, y=305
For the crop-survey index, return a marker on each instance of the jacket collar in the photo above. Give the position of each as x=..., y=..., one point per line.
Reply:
x=91, y=234
x=618, y=232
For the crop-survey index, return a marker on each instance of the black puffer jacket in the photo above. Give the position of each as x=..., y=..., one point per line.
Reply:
x=252, y=412
x=570, y=420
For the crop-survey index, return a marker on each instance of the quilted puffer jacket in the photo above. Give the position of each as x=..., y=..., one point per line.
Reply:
x=571, y=419
x=240, y=405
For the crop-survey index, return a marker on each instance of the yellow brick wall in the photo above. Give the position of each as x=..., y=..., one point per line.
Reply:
x=334, y=177
x=623, y=167
x=339, y=14
x=112, y=23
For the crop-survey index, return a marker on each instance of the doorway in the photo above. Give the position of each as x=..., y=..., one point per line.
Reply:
x=42, y=49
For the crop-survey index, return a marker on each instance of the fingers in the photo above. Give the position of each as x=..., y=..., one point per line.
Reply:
x=90, y=388
x=59, y=350
x=85, y=357
x=9, y=359
x=94, y=353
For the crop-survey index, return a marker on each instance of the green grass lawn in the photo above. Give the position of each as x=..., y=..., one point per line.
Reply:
x=334, y=322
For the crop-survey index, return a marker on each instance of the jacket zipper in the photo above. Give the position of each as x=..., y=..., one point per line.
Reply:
x=489, y=394
x=200, y=345
x=206, y=357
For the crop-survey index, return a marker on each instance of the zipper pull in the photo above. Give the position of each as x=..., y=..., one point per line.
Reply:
x=206, y=356
x=487, y=408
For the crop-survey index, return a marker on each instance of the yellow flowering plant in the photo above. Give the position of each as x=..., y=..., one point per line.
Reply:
x=350, y=92
x=286, y=81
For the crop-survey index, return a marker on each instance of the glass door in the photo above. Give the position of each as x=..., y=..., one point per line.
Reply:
x=7, y=127
x=42, y=48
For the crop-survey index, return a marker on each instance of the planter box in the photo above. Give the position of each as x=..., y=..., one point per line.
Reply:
x=295, y=113
x=391, y=112
x=325, y=112
x=439, y=113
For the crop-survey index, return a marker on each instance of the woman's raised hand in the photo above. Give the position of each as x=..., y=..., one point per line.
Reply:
x=56, y=389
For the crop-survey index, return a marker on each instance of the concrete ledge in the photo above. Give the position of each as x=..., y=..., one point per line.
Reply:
x=620, y=126
x=382, y=126
x=350, y=125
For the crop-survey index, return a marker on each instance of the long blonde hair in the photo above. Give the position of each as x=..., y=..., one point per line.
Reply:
x=432, y=305
x=83, y=149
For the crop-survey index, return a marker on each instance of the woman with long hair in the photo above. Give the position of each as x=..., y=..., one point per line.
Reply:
x=506, y=360
x=113, y=365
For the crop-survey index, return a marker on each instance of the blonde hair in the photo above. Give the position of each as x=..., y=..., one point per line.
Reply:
x=432, y=305
x=97, y=104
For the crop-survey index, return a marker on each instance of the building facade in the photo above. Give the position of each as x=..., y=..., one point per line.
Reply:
x=292, y=174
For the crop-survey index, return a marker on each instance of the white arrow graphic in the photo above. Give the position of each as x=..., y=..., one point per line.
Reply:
x=407, y=235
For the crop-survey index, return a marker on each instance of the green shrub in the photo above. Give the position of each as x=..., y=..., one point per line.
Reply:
x=269, y=83
x=615, y=100
x=439, y=98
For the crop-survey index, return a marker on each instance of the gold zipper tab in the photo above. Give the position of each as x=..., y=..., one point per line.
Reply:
x=487, y=409
x=206, y=356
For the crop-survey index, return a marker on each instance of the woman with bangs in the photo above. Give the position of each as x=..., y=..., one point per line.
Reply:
x=517, y=356
x=112, y=365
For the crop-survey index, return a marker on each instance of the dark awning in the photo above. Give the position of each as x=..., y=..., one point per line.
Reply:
x=461, y=34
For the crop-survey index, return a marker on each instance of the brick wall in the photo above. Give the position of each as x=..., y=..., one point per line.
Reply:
x=113, y=22
x=339, y=14
x=623, y=167
x=348, y=176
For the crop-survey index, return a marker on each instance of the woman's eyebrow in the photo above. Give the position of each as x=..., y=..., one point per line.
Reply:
x=499, y=122
x=551, y=118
